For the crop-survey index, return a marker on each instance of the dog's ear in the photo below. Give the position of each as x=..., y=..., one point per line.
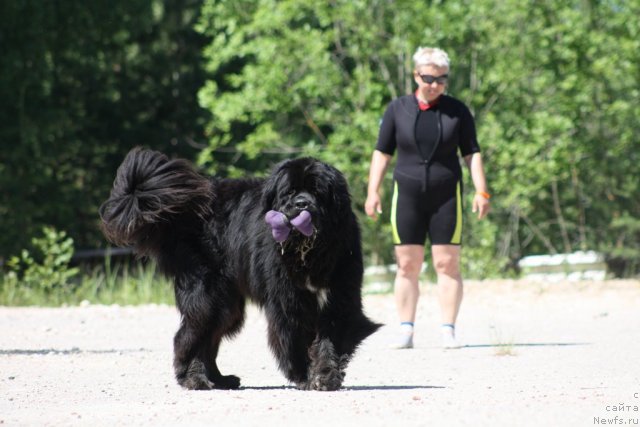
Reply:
x=338, y=189
x=269, y=193
x=270, y=190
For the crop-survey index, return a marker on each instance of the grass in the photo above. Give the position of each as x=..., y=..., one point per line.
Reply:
x=110, y=283
x=503, y=346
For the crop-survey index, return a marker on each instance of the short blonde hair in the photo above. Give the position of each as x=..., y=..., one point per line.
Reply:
x=431, y=56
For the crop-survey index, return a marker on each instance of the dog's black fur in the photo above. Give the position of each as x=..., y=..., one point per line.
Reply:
x=210, y=236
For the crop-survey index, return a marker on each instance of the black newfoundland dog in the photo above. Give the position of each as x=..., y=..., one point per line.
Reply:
x=290, y=243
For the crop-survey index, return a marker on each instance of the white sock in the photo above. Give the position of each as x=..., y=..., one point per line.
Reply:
x=406, y=328
x=448, y=330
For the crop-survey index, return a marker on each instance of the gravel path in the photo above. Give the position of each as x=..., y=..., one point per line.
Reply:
x=562, y=354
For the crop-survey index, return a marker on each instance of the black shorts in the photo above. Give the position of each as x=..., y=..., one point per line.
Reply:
x=436, y=212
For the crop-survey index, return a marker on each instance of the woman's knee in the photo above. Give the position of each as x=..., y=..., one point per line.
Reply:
x=409, y=267
x=448, y=264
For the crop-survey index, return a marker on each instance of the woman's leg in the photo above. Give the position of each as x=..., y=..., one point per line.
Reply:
x=409, y=260
x=446, y=262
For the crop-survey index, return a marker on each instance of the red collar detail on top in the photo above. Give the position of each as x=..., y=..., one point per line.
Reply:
x=426, y=105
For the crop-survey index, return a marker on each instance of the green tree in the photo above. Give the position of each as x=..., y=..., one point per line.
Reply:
x=81, y=84
x=556, y=115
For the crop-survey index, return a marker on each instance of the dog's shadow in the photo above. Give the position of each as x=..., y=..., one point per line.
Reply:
x=352, y=388
x=392, y=387
x=526, y=344
x=68, y=351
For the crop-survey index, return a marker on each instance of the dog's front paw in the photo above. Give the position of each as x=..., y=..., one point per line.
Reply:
x=326, y=381
x=342, y=365
x=326, y=371
x=196, y=382
x=303, y=385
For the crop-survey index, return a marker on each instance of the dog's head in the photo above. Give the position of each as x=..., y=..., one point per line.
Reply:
x=307, y=184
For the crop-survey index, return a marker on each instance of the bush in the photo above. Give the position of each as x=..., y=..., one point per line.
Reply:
x=44, y=271
x=43, y=275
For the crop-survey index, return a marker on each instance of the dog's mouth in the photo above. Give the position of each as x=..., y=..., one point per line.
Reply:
x=297, y=234
x=285, y=227
x=294, y=220
x=301, y=223
x=302, y=201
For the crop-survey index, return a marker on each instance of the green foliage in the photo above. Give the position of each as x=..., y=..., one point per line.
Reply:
x=623, y=254
x=140, y=283
x=81, y=84
x=109, y=283
x=47, y=269
x=557, y=123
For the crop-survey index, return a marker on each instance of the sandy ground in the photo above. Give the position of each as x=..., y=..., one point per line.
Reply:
x=562, y=354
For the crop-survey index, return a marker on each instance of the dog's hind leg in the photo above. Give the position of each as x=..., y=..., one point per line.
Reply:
x=233, y=323
x=198, y=339
x=190, y=371
x=212, y=372
x=198, y=370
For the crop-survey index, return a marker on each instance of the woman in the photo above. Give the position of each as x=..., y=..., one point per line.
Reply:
x=427, y=128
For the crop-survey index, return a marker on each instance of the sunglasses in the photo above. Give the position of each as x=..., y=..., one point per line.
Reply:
x=430, y=79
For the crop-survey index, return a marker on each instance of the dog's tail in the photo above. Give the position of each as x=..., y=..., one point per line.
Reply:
x=149, y=192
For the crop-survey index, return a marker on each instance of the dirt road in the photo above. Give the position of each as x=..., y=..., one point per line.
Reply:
x=563, y=354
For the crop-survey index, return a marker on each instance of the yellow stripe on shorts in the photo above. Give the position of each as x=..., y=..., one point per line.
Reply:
x=457, y=234
x=394, y=208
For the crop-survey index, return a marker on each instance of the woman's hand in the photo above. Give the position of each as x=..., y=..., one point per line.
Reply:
x=373, y=206
x=480, y=205
x=379, y=163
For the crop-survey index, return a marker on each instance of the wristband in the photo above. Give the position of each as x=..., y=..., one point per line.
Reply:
x=484, y=194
